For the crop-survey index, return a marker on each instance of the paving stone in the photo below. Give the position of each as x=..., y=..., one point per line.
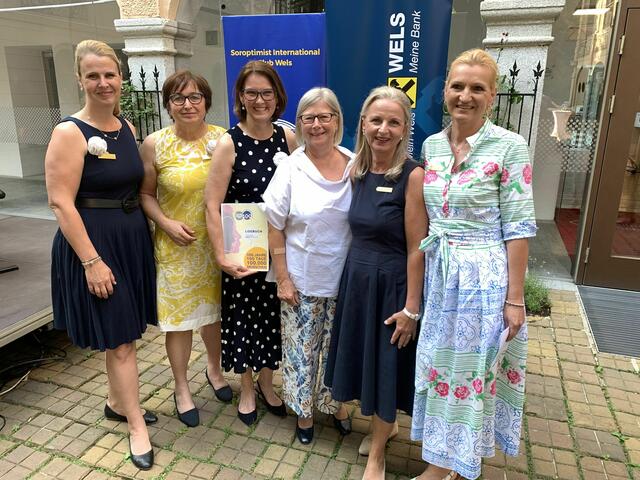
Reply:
x=585, y=393
x=62, y=469
x=596, y=469
x=199, y=442
x=621, y=380
x=576, y=353
x=599, y=444
x=549, y=408
x=554, y=463
x=543, y=366
x=550, y=433
x=579, y=372
x=544, y=386
x=624, y=401
x=617, y=362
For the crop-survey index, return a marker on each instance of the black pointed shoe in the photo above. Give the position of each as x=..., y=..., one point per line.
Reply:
x=248, y=418
x=149, y=417
x=224, y=394
x=343, y=426
x=305, y=435
x=191, y=418
x=144, y=461
x=277, y=410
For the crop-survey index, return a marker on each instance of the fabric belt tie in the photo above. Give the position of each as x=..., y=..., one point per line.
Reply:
x=441, y=238
x=128, y=205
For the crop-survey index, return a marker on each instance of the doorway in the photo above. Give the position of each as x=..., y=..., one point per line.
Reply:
x=611, y=248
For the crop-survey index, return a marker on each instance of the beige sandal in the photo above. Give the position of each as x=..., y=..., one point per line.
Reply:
x=452, y=475
x=365, y=445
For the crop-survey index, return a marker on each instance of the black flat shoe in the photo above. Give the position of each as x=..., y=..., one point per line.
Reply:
x=343, y=426
x=224, y=394
x=248, y=418
x=305, y=435
x=191, y=418
x=144, y=461
x=277, y=410
x=149, y=417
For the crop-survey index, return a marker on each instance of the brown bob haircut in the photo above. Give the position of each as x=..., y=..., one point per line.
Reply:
x=179, y=80
x=261, y=68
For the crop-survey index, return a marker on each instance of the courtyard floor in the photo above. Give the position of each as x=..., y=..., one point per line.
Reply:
x=582, y=420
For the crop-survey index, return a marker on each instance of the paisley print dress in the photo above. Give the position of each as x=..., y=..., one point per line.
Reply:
x=469, y=393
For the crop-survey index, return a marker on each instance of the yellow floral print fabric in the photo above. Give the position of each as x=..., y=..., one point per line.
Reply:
x=188, y=278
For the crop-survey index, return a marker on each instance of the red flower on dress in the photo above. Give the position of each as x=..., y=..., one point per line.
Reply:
x=433, y=374
x=492, y=388
x=466, y=176
x=445, y=208
x=505, y=176
x=477, y=385
x=461, y=392
x=490, y=168
x=513, y=376
x=445, y=190
x=430, y=176
x=526, y=174
x=442, y=389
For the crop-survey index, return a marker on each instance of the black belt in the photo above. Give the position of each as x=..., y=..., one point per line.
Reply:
x=129, y=205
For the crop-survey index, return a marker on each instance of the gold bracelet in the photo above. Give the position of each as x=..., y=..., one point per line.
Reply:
x=88, y=263
x=512, y=304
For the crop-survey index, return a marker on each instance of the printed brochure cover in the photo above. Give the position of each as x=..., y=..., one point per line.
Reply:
x=244, y=231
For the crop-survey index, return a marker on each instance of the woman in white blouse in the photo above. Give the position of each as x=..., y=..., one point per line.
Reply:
x=307, y=203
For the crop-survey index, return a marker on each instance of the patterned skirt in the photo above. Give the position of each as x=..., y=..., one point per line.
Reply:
x=469, y=391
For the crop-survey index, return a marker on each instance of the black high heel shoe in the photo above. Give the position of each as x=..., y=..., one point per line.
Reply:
x=191, y=418
x=149, y=417
x=144, y=461
x=277, y=410
x=343, y=426
x=305, y=435
x=224, y=394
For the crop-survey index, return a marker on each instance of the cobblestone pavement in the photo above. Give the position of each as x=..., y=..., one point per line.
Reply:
x=582, y=420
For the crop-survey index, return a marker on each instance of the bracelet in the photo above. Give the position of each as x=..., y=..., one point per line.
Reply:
x=513, y=304
x=88, y=263
x=278, y=251
x=412, y=316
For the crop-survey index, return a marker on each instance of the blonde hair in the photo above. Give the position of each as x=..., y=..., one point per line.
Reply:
x=476, y=56
x=364, y=157
x=320, y=94
x=100, y=49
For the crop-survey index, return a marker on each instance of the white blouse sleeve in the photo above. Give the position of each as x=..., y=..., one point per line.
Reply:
x=277, y=196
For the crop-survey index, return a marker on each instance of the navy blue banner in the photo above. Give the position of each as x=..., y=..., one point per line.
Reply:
x=402, y=43
x=293, y=44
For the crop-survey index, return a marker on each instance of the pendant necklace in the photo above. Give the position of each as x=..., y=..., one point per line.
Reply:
x=110, y=137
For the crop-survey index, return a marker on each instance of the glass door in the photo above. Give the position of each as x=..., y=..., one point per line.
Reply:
x=612, y=255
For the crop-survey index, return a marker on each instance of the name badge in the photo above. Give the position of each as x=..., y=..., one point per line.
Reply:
x=384, y=189
x=107, y=156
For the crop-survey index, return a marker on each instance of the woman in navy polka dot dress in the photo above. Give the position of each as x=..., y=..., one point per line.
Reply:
x=241, y=168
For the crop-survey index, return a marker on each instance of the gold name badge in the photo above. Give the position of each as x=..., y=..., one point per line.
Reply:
x=384, y=189
x=107, y=156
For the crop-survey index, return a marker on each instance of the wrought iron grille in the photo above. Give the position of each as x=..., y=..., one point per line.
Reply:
x=299, y=6
x=510, y=103
x=143, y=107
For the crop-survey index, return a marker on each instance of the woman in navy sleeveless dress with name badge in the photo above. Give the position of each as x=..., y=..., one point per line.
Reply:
x=102, y=267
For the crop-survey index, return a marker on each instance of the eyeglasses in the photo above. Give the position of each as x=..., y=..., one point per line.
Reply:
x=252, y=95
x=178, y=99
x=322, y=118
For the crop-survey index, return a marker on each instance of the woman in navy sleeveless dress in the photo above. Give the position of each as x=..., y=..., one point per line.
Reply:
x=241, y=167
x=372, y=352
x=102, y=268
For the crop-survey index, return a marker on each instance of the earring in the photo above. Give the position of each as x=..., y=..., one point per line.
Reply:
x=401, y=138
x=242, y=107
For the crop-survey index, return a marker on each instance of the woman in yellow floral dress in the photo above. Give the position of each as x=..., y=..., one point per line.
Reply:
x=176, y=161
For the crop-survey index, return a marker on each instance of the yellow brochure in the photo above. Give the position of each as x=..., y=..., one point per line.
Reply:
x=244, y=232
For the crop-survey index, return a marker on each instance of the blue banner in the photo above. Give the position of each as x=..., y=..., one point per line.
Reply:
x=402, y=43
x=293, y=44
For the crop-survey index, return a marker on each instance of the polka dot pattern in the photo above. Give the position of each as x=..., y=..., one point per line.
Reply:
x=250, y=306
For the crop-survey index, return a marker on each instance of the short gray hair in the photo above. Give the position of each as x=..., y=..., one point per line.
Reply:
x=313, y=96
